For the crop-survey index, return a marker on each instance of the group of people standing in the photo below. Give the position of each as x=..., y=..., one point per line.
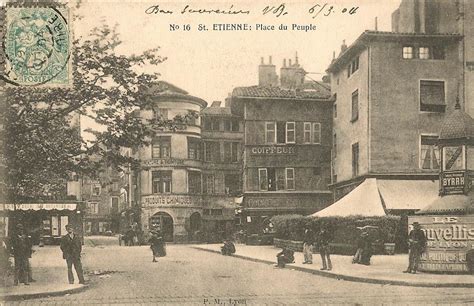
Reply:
x=310, y=240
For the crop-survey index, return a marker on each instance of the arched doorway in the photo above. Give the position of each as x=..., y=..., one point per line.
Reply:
x=163, y=222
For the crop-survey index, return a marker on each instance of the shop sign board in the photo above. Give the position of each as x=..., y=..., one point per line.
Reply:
x=453, y=182
x=164, y=162
x=273, y=150
x=169, y=200
x=449, y=238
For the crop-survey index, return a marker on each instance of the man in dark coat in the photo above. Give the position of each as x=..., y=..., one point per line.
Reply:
x=228, y=248
x=284, y=257
x=71, y=246
x=21, y=249
x=308, y=241
x=416, y=244
x=323, y=242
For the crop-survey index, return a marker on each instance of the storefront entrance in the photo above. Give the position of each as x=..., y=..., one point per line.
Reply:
x=163, y=222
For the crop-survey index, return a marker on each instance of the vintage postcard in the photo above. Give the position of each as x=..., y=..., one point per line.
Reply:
x=236, y=152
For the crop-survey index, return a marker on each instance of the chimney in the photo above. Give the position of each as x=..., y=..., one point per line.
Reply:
x=267, y=74
x=261, y=61
x=216, y=104
x=296, y=58
x=284, y=62
x=343, y=46
x=333, y=56
x=292, y=76
x=376, y=27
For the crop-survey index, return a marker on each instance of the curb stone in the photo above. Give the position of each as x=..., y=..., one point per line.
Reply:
x=351, y=278
x=16, y=297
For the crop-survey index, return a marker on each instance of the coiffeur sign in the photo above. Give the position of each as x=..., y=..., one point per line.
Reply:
x=449, y=238
x=273, y=150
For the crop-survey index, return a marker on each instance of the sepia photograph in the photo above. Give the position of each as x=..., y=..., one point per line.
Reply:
x=298, y=152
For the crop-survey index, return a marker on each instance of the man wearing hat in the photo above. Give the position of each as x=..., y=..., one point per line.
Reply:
x=21, y=249
x=416, y=244
x=71, y=246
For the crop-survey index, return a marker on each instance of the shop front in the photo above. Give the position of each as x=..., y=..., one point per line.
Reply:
x=44, y=222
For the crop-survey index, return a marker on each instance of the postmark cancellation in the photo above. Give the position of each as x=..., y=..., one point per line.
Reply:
x=37, y=46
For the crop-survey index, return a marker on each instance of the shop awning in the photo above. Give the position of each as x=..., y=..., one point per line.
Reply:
x=407, y=194
x=364, y=200
x=39, y=206
x=455, y=204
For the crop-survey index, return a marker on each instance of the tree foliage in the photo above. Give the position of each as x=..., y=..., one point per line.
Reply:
x=42, y=147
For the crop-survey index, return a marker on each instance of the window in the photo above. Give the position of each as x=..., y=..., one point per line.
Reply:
x=408, y=52
x=207, y=124
x=429, y=152
x=424, y=53
x=270, y=132
x=194, y=182
x=432, y=96
x=307, y=132
x=216, y=212
x=316, y=133
x=355, y=106
x=161, y=181
x=438, y=52
x=93, y=207
x=355, y=159
x=334, y=145
x=290, y=178
x=208, y=184
x=194, y=148
x=290, y=132
x=353, y=67
x=232, y=184
x=235, y=125
x=227, y=125
x=281, y=129
x=231, y=151
x=96, y=189
x=161, y=147
x=215, y=124
x=114, y=203
x=212, y=151
x=263, y=179
x=272, y=179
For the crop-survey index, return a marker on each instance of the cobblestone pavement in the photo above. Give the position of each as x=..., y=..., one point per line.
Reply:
x=192, y=277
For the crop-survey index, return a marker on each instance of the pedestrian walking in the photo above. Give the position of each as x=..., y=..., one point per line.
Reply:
x=324, y=250
x=416, y=244
x=21, y=249
x=157, y=245
x=286, y=256
x=71, y=247
x=308, y=241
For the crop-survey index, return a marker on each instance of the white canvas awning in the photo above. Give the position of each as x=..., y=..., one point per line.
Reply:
x=407, y=194
x=38, y=206
x=364, y=200
x=376, y=196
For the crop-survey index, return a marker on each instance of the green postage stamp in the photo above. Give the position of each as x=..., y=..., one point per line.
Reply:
x=37, y=46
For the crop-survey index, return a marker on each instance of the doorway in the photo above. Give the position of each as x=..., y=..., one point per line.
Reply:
x=163, y=222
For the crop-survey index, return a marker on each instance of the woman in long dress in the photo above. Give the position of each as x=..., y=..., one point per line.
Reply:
x=157, y=245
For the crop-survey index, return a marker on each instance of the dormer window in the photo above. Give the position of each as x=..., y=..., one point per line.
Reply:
x=353, y=67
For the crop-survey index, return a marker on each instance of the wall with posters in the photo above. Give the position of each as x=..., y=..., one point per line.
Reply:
x=449, y=238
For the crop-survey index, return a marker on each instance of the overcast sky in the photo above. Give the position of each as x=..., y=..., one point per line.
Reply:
x=210, y=64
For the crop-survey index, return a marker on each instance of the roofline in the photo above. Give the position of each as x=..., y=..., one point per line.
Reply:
x=329, y=99
x=183, y=97
x=368, y=36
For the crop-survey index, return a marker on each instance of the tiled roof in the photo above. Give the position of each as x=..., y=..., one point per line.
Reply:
x=162, y=89
x=457, y=125
x=311, y=90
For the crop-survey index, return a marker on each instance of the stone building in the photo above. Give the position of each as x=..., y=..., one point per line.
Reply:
x=393, y=90
x=287, y=144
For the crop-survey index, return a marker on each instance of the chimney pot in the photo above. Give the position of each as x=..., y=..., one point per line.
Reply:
x=270, y=60
x=284, y=62
x=289, y=62
x=261, y=61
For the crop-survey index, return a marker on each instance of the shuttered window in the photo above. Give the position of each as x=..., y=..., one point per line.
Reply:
x=432, y=96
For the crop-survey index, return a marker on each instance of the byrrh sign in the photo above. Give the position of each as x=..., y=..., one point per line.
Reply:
x=448, y=240
x=453, y=182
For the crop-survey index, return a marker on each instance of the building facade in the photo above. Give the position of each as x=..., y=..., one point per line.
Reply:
x=287, y=145
x=393, y=91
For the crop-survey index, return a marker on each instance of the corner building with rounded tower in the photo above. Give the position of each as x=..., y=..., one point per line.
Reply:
x=169, y=180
